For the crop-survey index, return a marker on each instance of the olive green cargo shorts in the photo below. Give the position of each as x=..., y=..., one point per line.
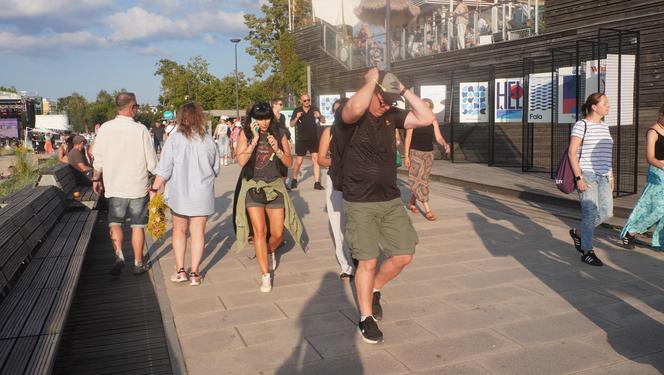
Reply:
x=371, y=224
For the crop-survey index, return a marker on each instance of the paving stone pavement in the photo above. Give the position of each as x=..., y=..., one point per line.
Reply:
x=495, y=288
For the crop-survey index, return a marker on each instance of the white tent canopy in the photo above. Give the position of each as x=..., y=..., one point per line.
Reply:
x=338, y=12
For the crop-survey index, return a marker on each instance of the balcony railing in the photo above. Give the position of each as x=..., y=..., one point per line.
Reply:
x=431, y=34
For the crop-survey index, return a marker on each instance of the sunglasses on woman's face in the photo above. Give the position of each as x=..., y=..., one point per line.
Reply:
x=306, y=101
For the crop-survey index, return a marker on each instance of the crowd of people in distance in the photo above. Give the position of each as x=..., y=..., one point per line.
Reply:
x=353, y=161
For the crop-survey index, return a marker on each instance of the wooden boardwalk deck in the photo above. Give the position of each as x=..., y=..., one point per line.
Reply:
x=114, y=325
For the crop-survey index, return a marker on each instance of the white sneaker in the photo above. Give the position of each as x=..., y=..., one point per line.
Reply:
x=266, y=283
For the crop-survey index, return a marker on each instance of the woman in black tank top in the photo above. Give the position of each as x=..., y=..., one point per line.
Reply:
x=649, y=210
x=418, y=150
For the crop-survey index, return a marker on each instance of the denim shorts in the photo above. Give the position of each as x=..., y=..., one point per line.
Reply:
x=136, y=210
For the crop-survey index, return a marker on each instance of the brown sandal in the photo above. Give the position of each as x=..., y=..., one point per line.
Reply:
x=412, y=206
x=430, y=216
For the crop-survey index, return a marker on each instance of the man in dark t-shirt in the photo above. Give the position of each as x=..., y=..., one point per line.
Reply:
x=305, y=119
x=158, y=135
x=375, y=216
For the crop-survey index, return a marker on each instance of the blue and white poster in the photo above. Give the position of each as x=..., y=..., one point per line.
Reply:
x=509, y=100
x=326, y=102
x=473, y=102
x=540, y=89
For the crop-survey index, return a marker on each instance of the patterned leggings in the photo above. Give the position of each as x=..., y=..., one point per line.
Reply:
x=419, y=172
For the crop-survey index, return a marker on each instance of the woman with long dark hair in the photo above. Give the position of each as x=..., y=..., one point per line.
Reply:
x=264, y=154
x=649, y=210
x=188, y=167
x=590, y=154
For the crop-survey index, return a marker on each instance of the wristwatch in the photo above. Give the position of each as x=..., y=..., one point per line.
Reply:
x=578, y=178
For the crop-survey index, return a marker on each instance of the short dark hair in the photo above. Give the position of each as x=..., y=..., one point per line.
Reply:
x=275, y=100
x=123, y=99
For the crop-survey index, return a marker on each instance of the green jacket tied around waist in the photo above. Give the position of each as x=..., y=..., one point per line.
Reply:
x=291, y=220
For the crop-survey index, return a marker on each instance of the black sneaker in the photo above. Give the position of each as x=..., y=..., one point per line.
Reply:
x=140, y=269
x=375, y=306
x=592, y=259
x=628, y=241
x=369, y=331
x=318, y=186
x=293, y=184
x=576, y=239
x=117, y=267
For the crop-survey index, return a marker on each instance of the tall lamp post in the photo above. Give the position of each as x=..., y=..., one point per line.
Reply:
x=237, y=83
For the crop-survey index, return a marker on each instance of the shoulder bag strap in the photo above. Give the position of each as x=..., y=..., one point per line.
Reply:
x=585, y=128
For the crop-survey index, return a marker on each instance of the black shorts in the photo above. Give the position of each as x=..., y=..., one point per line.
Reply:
x=306, y=145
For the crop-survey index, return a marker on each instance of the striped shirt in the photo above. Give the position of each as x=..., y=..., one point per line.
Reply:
x=596, y=153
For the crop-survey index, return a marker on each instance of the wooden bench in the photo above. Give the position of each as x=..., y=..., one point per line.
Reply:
x=63, y=177
x=42, y=247
x=16, y=196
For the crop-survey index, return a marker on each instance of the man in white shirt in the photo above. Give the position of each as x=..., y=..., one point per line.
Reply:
x=123, y=156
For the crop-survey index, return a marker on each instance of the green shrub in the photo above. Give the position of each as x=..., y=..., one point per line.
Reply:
x=25, y=173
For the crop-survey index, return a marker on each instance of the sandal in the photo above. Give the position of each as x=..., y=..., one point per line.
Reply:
x=194, y=278
x=412, y=206
x=179, y=276
x=430, y=216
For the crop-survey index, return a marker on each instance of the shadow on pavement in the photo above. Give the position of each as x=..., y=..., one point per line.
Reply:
x=629, y=331
x=350, y=363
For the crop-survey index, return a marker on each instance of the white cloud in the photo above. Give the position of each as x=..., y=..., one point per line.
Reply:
x=139, y=24
x=48, y=44
x=40, y=8
x=154, y=51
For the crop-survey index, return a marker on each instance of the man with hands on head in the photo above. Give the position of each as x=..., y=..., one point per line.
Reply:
x=371, y=198
x=304, y=119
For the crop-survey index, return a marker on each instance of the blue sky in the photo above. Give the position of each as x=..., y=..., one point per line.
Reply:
x=55, y=47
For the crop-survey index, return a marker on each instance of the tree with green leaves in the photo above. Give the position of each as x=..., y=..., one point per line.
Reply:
x=273, y=47
x=76, y=108
x=11, y=89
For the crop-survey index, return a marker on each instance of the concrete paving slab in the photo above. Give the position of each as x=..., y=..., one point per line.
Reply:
x=554, y=358
x=373, y=363
x=447, y=350
x=495, y=287
x=646, y=365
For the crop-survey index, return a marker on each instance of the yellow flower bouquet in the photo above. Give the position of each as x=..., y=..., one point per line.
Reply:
x=157, y=216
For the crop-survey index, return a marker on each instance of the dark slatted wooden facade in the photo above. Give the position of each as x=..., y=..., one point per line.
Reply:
x=566, y=22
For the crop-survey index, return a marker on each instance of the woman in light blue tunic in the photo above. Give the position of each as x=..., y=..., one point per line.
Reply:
x=649, y=210
x=188, y=166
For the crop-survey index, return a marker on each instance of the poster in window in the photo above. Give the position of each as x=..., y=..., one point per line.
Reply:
x=509, y=100
x=540, y=89
x=473, y=102
x=325, y=105
x=437, y=94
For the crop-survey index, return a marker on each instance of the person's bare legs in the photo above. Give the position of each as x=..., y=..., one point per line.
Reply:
x=257, y=217
x=390, y=269
x=197, y=238
x=117, y=236
x=276, y=217
x=180, y=224
x=314, y=159
x=364, y=284
x=137, y=243
x=297, y=166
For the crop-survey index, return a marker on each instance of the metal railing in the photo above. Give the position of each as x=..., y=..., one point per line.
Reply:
x=435, y=34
